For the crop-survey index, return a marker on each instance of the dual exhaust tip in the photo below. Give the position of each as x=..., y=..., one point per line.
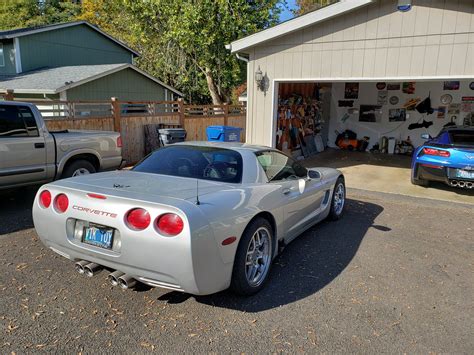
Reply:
x=116, y=278
x=462, y=184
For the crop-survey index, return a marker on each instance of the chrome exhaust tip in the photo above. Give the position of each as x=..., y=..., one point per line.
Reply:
x=92, y=269
x=79, y=266
x=469, y=185
x=461, y=184
x=113, y=278
x=125, y=282
x=454, y=183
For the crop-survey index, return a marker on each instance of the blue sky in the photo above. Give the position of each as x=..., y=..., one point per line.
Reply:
x=286, y=13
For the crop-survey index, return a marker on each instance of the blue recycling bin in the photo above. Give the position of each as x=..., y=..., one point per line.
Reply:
x=223, y=134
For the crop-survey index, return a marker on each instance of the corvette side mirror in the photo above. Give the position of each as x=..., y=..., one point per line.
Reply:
x=313, y=174
x=425, y=136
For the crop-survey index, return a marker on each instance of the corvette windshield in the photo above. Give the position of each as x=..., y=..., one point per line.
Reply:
x=207, y=163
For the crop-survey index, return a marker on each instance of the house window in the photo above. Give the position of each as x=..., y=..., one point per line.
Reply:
x=2, y=56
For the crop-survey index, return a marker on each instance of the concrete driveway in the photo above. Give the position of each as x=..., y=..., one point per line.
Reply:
x=385, y=173
x=395, y=275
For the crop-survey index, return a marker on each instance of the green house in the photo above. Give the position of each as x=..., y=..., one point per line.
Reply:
x=74, y=61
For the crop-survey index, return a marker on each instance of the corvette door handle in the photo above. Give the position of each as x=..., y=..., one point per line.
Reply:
x=286, y=191
x=39, y=145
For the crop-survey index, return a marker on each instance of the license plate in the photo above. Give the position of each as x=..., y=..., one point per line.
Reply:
x=464, y=174
x=101, y=237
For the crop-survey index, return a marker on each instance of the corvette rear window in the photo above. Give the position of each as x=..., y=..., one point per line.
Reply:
x=207, y=163
x=462, y=137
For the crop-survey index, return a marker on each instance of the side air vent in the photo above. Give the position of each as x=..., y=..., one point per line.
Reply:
x=326, y=197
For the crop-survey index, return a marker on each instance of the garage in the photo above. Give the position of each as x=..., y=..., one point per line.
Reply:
x=372, y=75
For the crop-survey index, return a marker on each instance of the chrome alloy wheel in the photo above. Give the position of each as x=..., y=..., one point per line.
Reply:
x=339, y=198
x=80, y=172
x=258, y=258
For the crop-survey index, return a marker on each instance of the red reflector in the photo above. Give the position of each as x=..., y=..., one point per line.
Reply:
x=61, y=203
x=100, y=197
x=138, y=219
x=170, y=224
x=119, y=142
x=432, y=166
x=45, y=198
x=436, y=152
x=229, y=240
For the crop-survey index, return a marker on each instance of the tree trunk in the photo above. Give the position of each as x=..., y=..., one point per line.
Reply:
x=213, y=89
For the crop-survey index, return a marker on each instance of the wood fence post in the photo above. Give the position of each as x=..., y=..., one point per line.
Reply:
x=116, y=114
x=226, y=114
x=181, y=112
x=9, y=96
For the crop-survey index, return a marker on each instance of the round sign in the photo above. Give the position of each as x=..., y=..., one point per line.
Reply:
x=471, y=85
x=446, y=99
x=394, y=100
x=381, y=86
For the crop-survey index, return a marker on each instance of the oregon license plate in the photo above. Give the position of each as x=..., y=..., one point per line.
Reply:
x=101, y=237
x=464, y=174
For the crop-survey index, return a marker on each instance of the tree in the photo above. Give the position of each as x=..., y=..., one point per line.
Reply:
x=305, y=6
x=191, y=36
x=28, y=13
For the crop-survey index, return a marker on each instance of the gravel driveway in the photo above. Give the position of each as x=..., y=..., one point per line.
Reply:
x=394, y=275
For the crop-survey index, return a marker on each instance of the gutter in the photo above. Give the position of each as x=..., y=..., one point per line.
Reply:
x=239, y=57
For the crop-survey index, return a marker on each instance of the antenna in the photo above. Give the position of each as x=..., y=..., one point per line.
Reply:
x=197, y=193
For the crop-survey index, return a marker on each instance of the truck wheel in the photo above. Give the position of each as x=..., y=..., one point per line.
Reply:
x=253, y=259
x=78, y=168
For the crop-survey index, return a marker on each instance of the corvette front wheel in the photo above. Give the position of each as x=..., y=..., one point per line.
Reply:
x=253, y=258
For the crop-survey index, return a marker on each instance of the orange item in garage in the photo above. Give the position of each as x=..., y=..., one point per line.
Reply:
x=350, y=144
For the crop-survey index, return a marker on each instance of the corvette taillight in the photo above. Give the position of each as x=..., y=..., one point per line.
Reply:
x=119, y=142
x=61, y=203
x=169, y=224
x=138, y=219
x=45, y=198
x=436, y=152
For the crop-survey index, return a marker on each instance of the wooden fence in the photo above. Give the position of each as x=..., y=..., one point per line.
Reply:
x=130, y=117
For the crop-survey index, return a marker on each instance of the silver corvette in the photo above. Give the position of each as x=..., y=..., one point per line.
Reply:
x=194, y=217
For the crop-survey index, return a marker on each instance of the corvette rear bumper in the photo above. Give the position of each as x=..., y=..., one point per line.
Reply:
x=444, y=174
x=182, y=263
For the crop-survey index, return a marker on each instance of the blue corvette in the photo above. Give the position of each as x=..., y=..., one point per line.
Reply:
x=448, y=158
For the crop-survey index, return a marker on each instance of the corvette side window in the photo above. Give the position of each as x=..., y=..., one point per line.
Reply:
x=278, y=166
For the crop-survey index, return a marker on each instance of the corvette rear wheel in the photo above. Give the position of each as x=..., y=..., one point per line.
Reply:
x=419, y=182
x=253, y=258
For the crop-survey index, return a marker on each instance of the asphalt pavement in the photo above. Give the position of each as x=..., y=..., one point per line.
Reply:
x=395, y=275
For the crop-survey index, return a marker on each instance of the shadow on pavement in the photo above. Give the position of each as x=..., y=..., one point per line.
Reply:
x=307, y=265
x=15, y=209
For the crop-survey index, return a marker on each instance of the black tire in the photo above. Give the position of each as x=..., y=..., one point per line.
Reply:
x=239, y=283
x=419, y=182
x=336, y=212
x=72, y=167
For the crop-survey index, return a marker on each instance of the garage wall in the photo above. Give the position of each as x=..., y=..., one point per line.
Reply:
x=368, y=93
x=434, y=39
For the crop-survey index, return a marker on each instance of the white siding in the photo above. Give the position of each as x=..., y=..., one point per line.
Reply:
x=434, y=39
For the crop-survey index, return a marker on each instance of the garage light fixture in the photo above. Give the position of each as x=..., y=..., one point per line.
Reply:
x=259, y=78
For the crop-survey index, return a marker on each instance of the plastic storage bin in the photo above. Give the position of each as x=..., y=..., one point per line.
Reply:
x=172, y=135
x=223, y=134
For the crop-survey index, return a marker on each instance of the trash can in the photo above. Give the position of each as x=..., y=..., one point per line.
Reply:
x=171, y=135
x=223, y=134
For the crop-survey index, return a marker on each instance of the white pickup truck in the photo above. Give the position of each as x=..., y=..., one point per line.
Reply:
x=30, y=154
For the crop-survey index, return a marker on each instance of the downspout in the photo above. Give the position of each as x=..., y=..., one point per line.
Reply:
x=243, y=59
